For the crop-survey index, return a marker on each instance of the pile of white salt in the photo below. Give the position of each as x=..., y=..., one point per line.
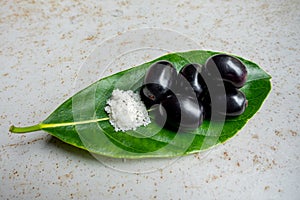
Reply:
x=126, y=110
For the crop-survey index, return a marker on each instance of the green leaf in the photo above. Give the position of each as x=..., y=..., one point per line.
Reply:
x=81, y=120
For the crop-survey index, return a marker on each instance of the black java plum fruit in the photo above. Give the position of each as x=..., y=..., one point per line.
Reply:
x=179, y=113
x=235, y=102
x=158, y=81
x=231, y=69
x=192, y=74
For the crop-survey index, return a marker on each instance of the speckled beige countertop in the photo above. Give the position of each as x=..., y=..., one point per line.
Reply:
x=43, y=45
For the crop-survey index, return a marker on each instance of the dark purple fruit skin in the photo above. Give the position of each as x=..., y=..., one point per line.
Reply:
x=158, y=81
x=231, y=69
x=192, y=74
x=149, y=98
x=179, y=113
x=236, y=103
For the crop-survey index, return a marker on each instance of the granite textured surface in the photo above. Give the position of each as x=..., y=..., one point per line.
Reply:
x=43, y=45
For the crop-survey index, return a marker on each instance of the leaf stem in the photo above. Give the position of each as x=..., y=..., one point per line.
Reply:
x=25, y=129
x=41, y=126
